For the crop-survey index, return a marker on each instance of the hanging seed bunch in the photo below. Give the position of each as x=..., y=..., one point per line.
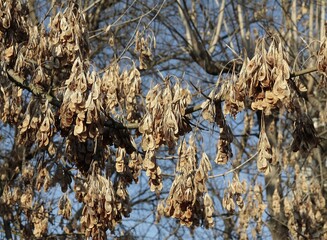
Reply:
x=47, y=128
x=188, y=199
x=234, y=92
x=224, y=150
x=304, y=207
x=153, y=171
x=162, y=124
x=212, y=112
x=80, y=115
x=264, y=153
x=35, y=59
x=120, y=160
x=135, y=165
x=38, y=125
x=143, y=46
x=68, y=37
x=43, y=179
x=322, y=55
x=121, y=92
x=128, y=166
x=165, y=119
x=263, y=80
x=10, y=103
x=276, y=203
x=26, y=199
x=10, y=197
x=14, y=26
x=81, y=104
x=64, y=206
x=14, y=30
x=30, y=123
x=211, y=109
x=103, y=205
x=40, y=219
x=253, y=209
x=122, y=196
x=233, y=194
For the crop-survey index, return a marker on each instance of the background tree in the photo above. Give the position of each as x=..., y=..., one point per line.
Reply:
x=136, y=119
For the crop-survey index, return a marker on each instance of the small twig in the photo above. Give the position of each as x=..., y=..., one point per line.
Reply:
x=193, y=109
x=91, y=6
x=234, y=169
x=198, y=90
x=304, y=71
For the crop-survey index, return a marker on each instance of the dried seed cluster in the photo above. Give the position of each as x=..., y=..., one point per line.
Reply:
x=10, y=197
x=81, y=104
x=68, y=37
x=224, y=151
x=104, y=206
x=153, y=171
x=233, y=194
x=40, y=219
x=121, y=90
x=43, y=179
x=164, y=120
x=38, y=125
x=135, y=165
x=188, y=199
x=304, y=207
x=143, y=48
x=264, y=153
x=253, y=209
x=163, y=123
x=322, y=56
x=262, y=80
x=212, y=112
x=64, y=206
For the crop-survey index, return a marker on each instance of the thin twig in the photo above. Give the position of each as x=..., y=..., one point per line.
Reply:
x=91, y=6
x=234, y=169
x=303, y=72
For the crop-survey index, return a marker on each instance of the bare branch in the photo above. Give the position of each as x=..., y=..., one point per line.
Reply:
x=220, y=18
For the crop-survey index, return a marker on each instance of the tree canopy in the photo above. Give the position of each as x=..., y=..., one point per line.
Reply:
x=163, y=119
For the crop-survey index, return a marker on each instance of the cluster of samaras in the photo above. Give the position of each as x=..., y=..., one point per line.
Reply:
x=303, y=212
x=104, y=204
x=188, y=199
x=262, y=81
x=162, y=124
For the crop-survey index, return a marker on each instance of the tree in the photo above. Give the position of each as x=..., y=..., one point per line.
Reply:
x=135, y=119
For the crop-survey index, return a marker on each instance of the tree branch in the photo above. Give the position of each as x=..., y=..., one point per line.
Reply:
x=19, y=81
x=196, y=48
x=303, y=72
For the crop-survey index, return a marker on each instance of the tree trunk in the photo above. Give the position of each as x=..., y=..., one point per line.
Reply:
x=272, y=181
